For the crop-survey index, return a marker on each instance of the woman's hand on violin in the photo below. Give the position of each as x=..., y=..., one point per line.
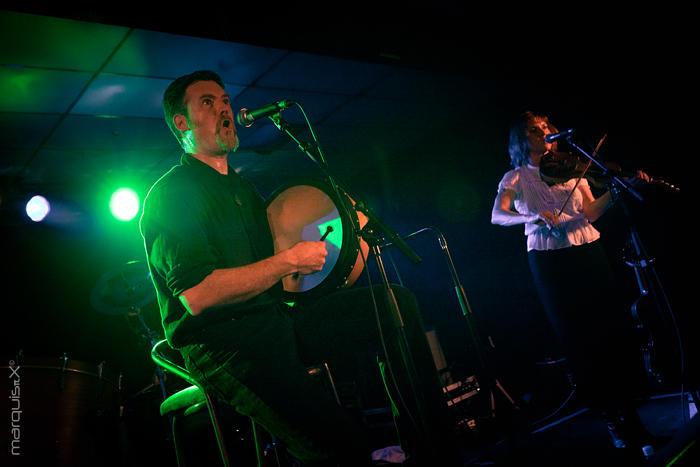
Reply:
x=639, y=177
x=548, y=218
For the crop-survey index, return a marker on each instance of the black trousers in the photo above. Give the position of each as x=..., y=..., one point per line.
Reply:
x=258, y=364
x=593, y=325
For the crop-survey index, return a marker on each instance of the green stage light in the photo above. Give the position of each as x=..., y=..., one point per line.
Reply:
x=124, y=204
x=37, y=208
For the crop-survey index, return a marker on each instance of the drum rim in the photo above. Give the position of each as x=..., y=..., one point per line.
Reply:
x=71, y=365
x=343, y=267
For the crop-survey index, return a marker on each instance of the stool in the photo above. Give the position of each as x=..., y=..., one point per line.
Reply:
x=191, y=400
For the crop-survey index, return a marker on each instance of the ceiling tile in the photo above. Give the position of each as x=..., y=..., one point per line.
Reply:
x=317, y=73
x=42, y=41
x=127, y=96
x=111, y=135
x=25, y=130
x=158, y=54
x=32, y=90
x=421, y=85
x=367, y=111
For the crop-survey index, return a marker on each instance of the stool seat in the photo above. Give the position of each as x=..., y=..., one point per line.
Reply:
x=193, y=399
x=189, y=400
x=182, y=400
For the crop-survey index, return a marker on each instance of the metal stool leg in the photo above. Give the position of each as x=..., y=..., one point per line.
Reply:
x=256, y=442
x=213, y=414
x=177, y=439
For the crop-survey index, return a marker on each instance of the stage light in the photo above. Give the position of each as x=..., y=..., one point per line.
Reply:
x=124, y=204
x=37, y=208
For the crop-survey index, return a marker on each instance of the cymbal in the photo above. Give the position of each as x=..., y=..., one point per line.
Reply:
x=123, y=290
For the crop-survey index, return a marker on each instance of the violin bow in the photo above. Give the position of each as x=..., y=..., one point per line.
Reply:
x=578, y=180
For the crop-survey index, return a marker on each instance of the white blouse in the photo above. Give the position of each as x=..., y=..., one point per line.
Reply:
x=533, y=196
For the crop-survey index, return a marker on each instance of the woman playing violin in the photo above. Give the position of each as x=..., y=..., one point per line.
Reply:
x=572, y=275
x=552, y=219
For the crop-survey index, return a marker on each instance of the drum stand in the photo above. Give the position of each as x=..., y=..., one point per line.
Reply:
x=148, y=337
x=123, y=292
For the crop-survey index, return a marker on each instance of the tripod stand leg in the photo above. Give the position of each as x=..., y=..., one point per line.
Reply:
x=505, y=393
x=496, y=385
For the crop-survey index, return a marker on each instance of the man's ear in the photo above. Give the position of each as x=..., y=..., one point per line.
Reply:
x=181, y=122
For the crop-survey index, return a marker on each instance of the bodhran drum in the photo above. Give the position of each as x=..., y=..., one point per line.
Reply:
x=308, y=210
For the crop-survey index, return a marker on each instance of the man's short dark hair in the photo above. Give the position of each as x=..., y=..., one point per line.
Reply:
x=174, y=97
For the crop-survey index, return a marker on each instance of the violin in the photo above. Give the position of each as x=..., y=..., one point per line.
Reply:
x=559, y=167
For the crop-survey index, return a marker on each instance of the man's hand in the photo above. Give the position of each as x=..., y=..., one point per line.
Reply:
x=308, y=257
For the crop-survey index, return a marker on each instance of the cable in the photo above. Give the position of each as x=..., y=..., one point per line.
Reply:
x=547, y=417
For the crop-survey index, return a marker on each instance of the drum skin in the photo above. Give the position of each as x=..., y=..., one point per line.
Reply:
x=303, y=211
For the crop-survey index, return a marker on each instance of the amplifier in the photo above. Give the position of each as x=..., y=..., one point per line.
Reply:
x=461, y=390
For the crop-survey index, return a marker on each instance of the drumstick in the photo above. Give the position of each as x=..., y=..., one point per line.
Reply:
x=329, y=229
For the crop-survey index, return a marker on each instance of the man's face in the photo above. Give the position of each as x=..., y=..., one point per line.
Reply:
x=209, y=127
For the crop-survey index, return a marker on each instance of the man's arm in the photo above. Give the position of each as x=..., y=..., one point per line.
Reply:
x=234, y=285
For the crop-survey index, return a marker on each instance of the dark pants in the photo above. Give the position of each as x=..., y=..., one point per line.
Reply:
x=593, y=325
x=258, y=364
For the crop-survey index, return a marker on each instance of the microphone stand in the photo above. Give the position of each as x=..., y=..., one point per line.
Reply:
x=615, y=180
x=491, y=382
x=372, y=239
x=648, y=282
x=651, y=290
x=459, y=288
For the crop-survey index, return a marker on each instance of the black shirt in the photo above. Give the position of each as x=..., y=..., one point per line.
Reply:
x=196, y=220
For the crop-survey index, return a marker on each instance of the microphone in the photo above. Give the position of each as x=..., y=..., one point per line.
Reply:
x=553, y=136
x=247, y=117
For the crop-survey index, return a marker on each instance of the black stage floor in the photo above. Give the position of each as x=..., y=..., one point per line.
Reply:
x=576, y=436
x=569, y=436
x=561, y=433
